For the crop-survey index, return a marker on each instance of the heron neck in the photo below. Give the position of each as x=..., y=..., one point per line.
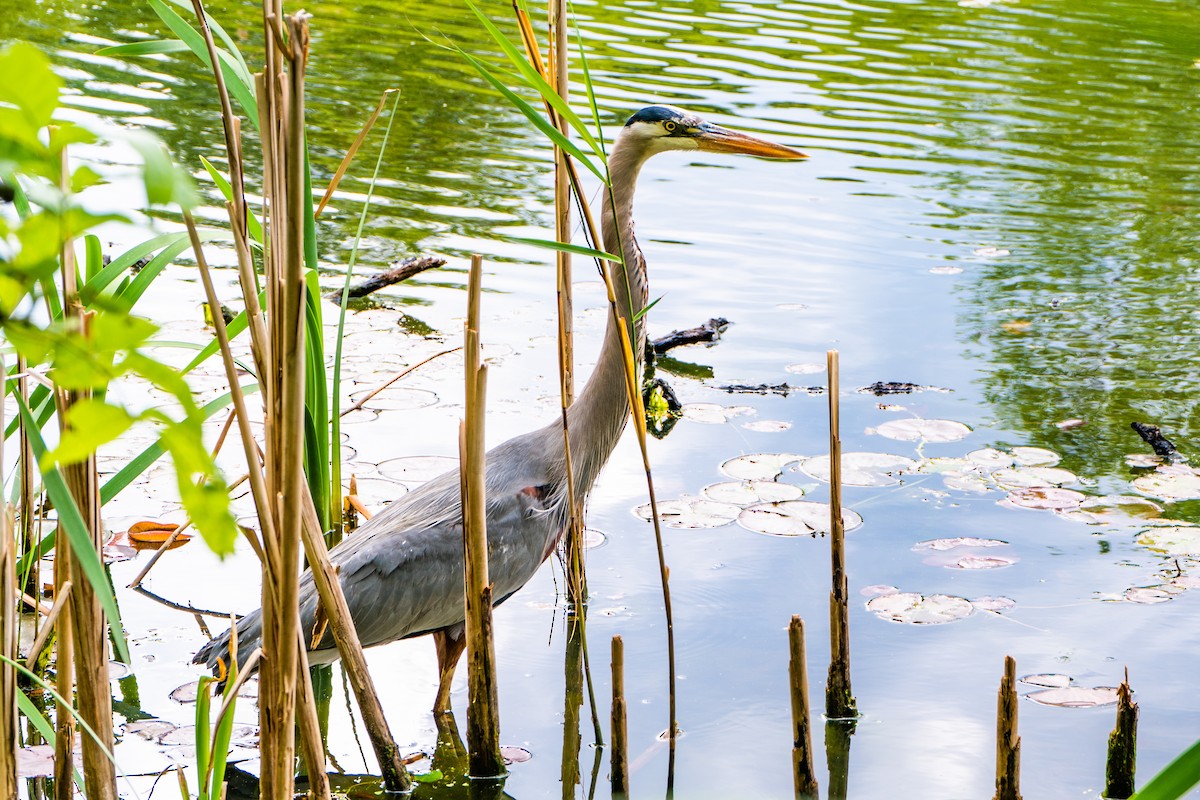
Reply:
x=599, y=414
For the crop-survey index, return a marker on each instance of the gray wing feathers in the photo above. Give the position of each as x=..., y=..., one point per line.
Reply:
x=402, y=571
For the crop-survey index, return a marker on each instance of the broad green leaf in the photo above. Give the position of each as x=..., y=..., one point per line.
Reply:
x=535, y=80
x=165, y=183
x=113, y=333
x=1176, y=779
x=82, y=546
x=578, y=250
x=90, y=424
x=31, y=88
x=84, y=177
x=203, y=492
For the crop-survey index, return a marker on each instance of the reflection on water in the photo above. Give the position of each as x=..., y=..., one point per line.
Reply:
x=1002, y=200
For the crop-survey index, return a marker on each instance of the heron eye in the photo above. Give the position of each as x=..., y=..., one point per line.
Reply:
x=669, y=126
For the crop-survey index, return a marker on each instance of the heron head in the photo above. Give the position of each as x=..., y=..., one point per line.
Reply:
x=662, y=127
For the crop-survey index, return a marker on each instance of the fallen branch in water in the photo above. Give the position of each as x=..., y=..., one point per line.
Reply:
x=401, y=272
x=707, y=333
x=1162, y=446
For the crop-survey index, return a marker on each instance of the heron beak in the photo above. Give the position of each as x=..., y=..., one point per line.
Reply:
x=716, y=139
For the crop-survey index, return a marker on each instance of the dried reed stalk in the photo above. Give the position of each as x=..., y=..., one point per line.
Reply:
x=1008, y=743
x=839, y=697
x=803, y=772
x=620, y=733
x=483, y=718
x=1121, y=765
x=281, y=112
x=88, y=626
x=8, y=647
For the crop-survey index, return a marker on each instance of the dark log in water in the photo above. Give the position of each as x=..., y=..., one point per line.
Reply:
x=401, y=272
x=1162, y=446
x=707, y=333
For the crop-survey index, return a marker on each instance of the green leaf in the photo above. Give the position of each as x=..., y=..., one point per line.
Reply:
x=578, y=250
x=90, y=424
x=165, y=183
x=535, y=80
x=253, y=226
x=1176, y=779
x=112, y=333
x=433, y=776
x=31, y=88
x=203, y=731
x=534, y=116
x=83, y=177
x=154, y=48
x=82, y=545
x=237, y=77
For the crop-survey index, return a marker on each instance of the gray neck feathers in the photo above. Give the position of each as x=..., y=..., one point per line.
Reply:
x=600, y=412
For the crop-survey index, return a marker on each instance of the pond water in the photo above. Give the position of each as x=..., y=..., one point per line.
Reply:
x=1001, y=204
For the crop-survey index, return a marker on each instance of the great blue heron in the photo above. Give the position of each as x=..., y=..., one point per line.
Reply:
x=402, y=572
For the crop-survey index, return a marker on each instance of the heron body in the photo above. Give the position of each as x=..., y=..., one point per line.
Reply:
x=402, y=571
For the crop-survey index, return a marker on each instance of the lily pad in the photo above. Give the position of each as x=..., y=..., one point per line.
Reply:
x=944, y=466
x=416, y=469
x=862, y=469
x=1049, y=680
x=1175, y=540
x=878, y=589
x=1024, y=477
x=692, y=512
x=514, y=755
x=766, y=425
x=994, y=604
x=1114, y=509
x=1035, y=456
x=982, y=562
x=991, y=458
x=758, y=466
x=958, y=541
x=714, y=414
x=924, y=430
x=915, y=609
x=1045, y=498
x=1170, y=484
x=187, y=693
x=793, y=518
x=1149, y=595
x=1143, y=460
x=1075, y=696
x=967, y=482
x=744, y=493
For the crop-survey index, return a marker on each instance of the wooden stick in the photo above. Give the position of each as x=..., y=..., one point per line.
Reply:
x=8, y=646
x=483, y=720
x=1122, y=746
x=803, y=772
x=1008, y=743
x=401, y=272
x=839, y=697
x=60, y=600
x=620, y=735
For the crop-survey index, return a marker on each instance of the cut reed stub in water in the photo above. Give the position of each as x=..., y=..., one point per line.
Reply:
x=1008, y=743
x=803, y=771
x=1122, y=746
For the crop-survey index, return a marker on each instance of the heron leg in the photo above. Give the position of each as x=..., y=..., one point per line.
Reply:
x=449, y=643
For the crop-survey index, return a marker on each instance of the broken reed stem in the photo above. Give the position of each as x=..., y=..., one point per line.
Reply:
x=362, y=402
x=839, y=697
x=26, y=509
x=1122, y=746
x=620, y=736
x=281, y=111
x=64, y=680
x=88, y=625
x=803, y=771
x=311, y=744
x=483, y=720
x=1008, y=743
x=8, y=647
x=35, y=650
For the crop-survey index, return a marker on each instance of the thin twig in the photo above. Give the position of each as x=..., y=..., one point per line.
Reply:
x=395, y=378
x=43, y=636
